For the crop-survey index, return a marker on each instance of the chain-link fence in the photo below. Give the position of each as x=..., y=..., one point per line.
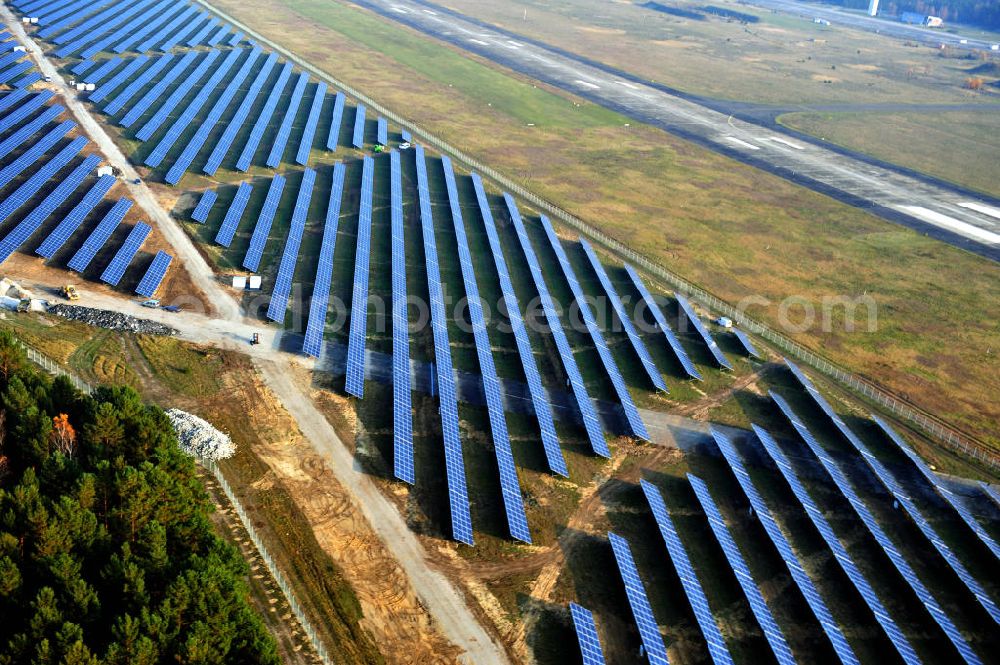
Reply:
x=52, y=367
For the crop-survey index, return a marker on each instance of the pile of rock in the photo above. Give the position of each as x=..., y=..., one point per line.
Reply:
x=103, y=318
x=198, y=438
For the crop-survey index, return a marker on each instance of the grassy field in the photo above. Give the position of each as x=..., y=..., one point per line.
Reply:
x=955, y=146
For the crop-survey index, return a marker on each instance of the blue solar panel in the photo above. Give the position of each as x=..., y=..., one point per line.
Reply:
x=58, y=237
x=81, y=67
x=290, y=256
x=126, y=30
x=95, y=241
x=517, y=521
x=991, y=492
x=631, y=412
x=218, y=35
x=953, y=500
x=382, y=133
x=235, y=39
x=56, y=197
x=161, y=86
x=204, y=206
x=239, y=118
x=157, y=27
x=889, y=482
x=263, y=227
x=355, y=384
x=40, y=178
x=58, y=12
x=12, y=98
x=883, y=539
x=539, y=398
x=309, y=133
x=661, y=322
x=35, y=152
x=313, y=338
x=15, y=71
x=133, y=88
x=13, y=141
x=799, y=575
x=649, y=631
x=10, y=58
x=102, y=35
x=202, y=34
x=285, y=129
x=176, y=97
x=706, y=336
x=586, y=635
x=358, y=138
x=118, y=79
x=33, y=77
x=686, y=573
x=458, y=494
x=227, y=230
x=116, y=268
x=402, y=412
x=748, y=346
x=260, y=126
x=181, y=33
x=623, y=317
x=840, y=553
x=197, y=142
x=405, y=135
x=333, y=138
x=23, y=111
x=96, y=23
x=588, y=415
x=159, y=153
x=8, y=46
x=157, y=270
x=772, y=633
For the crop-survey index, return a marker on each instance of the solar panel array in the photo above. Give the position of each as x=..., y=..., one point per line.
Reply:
x=95, y=23
x=204, y=206
x=382, y=132
x=336, y=119
x=260, y=126
x=203, y=33
x=358, y=138
x=685, y=572
x=588, y=415
x=772, y=633
x=30, y=79
x=154, y=26
x=99, y=74
x=40, y=178
x=9, y=75
x=312, y=122
x=81, y=67
x=116, y=81
x=517, y=521
x=186, y=29
x=991, y=492
x=116, y=268
x=240, y=117
x=236, y=39
x=586, y=635
x=106, y=35
x=285, y=129
x=24, y=110
x=263, y=227
x=649, y=631
x=12, y=98
x=706, y=336
x=539, y=398
x=55, y=198
x=661, y=322
x=157, y=270
x=623, y=317
x=69, y=224
x=95, y=241
x=402, y=412
x=180, y=22
x=748, y=346
x=840, y=553
x=635, y=423
x=359, y=299
x=458, y=495
x=290, y=256
x=175, y=98
x=35, y=152
x=883, y=539
x=227, y=230
x=133, y=88
x=889, y=482
x=953, y=500
x=799, y=575
x=405, y=135
x=154, y=93
x=313, y=338
x=125, y=31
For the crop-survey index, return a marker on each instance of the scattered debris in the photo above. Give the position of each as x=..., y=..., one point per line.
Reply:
x=198, y=438
x=102, y=318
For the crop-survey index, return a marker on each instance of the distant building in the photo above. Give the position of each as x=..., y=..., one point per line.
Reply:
x=873, y=8
x=933, y=21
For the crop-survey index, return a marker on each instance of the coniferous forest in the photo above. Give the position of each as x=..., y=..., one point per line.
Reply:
x=107, y=554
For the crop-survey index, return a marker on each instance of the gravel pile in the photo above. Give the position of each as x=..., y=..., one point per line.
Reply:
x=198, y=438
x=103, y=318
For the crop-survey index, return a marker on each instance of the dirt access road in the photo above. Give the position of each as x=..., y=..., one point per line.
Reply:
x=444, y=602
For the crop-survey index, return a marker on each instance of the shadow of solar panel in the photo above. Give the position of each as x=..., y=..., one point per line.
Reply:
x=458, y=495
x=382, y=132
x=231, y=222
x=114, y=271
x=706, y=336
x=23, y=111
x=204, y=206
x=164, y=110
x=58, y=237
x=402, y=413
x=260, y=126
x=990, y=491
x=285, y=129
x=309, y=133
x=133, y=88
x=10, y=74
x=586, y=635
x=358, y=138
x=154, y=94
x=539, y=398
x=35, y=152
x=649, y=631
x=313, y=338
x=95, y=241
x=336, y=119
x=40, y=178
x=747, y=345
x=799, y=576
x=157, y=270
x=290, y=256
x=638, y=429
x=588, y=415
x=661, y=322
x=118, y=79
x=263, y=227
x=355, y=383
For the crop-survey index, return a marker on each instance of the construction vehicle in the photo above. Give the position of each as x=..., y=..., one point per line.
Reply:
x=255, y=340
x=171, y=308
x=70, y=293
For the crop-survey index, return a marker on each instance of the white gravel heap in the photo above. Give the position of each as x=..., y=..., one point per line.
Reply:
x=198, y=438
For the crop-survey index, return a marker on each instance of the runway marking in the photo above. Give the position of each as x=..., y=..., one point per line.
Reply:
x=478, y=41
x=427, y=11
x=401, y=10
x=778, y=139
x=587, y=85
x=947, y=222
x=980, y=207
x=514, y=44
x=742, y=144
x=510, y=45
x=626, y=84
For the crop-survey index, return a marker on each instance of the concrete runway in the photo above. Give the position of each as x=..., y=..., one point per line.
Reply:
x=928, y=206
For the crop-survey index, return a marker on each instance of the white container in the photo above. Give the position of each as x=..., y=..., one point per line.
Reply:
x=34, y=20
x=91, y=87
x=104, y=170
x=255, y=281
x=81, y=87
x=239, y=282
